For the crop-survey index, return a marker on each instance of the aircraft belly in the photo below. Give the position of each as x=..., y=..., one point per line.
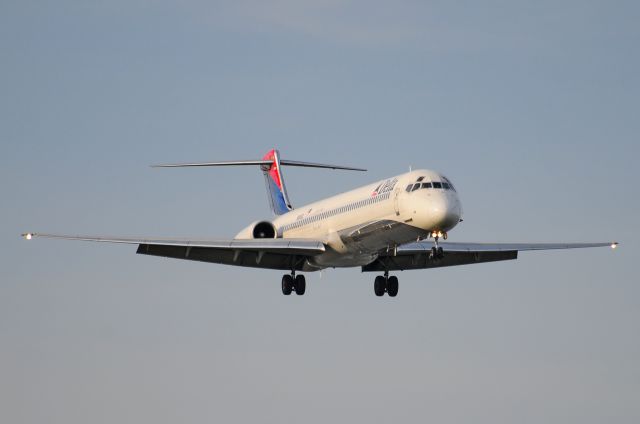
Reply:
x=379, y=235
x=333, y=259
x=360, y=245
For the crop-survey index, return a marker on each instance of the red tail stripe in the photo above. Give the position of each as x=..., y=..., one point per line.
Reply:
x=273, y=171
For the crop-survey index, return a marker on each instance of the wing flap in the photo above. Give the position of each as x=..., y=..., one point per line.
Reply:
x=501, y=247
x=417, y=255
x=300, y=246
x=285, y=254
x=270, y=259
x=421, y=260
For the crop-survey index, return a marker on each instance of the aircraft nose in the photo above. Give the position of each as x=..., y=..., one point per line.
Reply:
x=445, y=211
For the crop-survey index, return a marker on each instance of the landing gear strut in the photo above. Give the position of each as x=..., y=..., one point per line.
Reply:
x=436, y=251
x=385, y=284
x=292, y=282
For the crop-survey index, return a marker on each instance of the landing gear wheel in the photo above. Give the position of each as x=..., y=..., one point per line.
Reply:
x=434, y=253
x=440, y=253
x=379, y=285
x=392, y=286
x=287, y=284
x=300, y=285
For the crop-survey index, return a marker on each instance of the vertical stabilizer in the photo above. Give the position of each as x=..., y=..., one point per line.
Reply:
x=270, y=165
x=275, y=183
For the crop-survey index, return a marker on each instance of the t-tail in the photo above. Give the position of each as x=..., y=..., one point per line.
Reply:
x=276, y=189
x=270, y=165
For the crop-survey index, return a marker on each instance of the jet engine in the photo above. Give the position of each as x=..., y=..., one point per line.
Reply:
x=264, y=229
x=258, y=230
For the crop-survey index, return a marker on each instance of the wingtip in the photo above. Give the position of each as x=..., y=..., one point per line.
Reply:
x=614, y=245
x=27, y=236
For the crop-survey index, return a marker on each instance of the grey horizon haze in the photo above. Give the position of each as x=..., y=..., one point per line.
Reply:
x=530, y=108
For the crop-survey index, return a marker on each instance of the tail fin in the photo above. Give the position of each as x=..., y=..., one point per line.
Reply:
x=270, y=165
x=275, y=183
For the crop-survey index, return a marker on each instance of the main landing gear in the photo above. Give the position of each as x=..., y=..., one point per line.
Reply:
x=384, y=283
x=292, y=282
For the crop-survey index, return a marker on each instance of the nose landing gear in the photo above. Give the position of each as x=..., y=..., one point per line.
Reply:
x=385, y=284
x=436, y=251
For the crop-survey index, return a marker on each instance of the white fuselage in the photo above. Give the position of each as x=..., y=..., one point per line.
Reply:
x=360, y=223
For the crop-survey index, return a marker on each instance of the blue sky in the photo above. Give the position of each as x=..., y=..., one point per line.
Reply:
x=531, y=108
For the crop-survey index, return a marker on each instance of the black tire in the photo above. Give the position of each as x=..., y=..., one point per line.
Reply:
x=440, y=253
x=287, y=284
x=434, y=253
x=392, y=286
x=379, y=285
x=300, y=285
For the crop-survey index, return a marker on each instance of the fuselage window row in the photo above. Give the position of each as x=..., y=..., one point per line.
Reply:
x=336, y=211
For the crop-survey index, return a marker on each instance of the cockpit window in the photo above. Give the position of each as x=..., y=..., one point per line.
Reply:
x=443, y=185
x=420, y=179
x=450, y=183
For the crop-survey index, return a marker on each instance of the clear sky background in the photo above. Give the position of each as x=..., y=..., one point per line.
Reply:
x=531, y=108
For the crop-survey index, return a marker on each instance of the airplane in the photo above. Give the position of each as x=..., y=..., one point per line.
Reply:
x=381, y=227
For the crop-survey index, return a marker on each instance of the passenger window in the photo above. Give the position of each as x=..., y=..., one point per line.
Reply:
x=437, y=184
x=426, y=185
x=446, y=186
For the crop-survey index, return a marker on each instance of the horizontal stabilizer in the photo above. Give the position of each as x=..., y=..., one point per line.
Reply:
x=270, y=166
x=318, y=165
x=283, y=162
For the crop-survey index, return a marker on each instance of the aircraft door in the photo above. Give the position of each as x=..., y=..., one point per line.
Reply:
x=396, y=201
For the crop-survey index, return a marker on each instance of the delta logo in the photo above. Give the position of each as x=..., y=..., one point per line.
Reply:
x=384, y=187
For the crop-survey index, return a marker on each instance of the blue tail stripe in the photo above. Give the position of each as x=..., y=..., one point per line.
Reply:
x=277, y=198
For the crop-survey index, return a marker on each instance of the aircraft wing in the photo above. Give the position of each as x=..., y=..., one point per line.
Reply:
x=286, y=254
x=417, y=255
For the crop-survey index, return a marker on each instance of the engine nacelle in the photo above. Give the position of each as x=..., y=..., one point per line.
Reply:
x=258, y=230
x=264, y=229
